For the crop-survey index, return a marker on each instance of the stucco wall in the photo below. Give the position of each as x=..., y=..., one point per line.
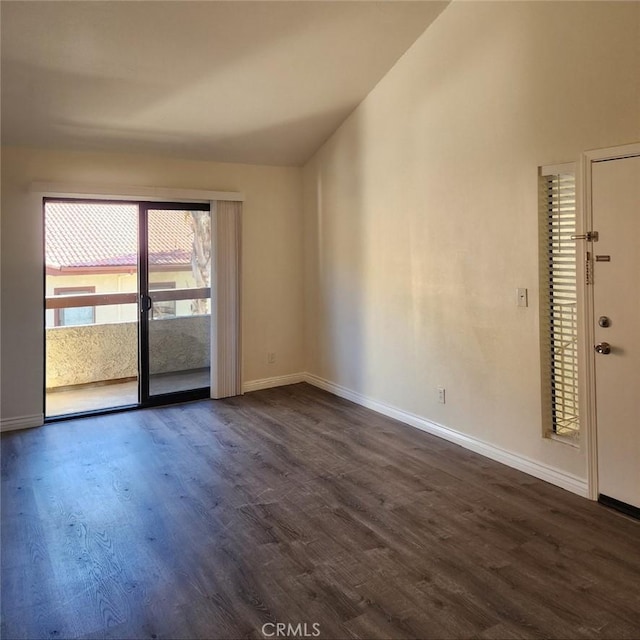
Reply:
x=99, y=352
x=179, y=344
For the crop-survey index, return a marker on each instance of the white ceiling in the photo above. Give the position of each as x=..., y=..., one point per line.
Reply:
x=256, y=82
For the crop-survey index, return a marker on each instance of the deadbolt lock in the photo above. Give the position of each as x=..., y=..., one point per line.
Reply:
x=604, y=322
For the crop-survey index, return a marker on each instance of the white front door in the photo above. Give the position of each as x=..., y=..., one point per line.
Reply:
x=616, y=291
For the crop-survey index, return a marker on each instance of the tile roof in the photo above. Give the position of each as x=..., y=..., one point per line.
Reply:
x=86, y=235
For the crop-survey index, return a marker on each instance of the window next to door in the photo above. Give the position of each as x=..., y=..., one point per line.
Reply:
x=74, y=316
x=558, y=301
x=164, y=308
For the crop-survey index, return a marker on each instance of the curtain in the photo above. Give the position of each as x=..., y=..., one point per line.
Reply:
x=226, y=323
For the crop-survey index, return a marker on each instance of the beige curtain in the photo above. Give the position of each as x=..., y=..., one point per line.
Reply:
x=226, y=323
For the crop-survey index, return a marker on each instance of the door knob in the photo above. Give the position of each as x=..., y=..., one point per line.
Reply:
x=603, y=348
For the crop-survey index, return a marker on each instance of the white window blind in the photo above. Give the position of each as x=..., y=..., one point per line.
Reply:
x=559, y=320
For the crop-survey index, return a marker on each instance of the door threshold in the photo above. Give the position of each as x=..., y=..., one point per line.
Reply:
x=91, y=414
x=164, y=400
x=618, y=505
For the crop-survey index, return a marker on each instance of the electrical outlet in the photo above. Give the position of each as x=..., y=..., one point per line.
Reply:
x=271, y=357
x=441, y=395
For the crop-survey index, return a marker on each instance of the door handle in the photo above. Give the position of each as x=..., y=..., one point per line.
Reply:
x=145, y=303
x=603, y=347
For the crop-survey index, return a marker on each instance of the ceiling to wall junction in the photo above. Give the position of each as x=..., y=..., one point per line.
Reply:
x=250, y=82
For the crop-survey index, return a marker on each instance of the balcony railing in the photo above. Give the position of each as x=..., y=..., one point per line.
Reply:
x=101, y=352
x=103, y=299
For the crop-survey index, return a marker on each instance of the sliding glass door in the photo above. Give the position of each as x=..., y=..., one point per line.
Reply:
x=175, y=285
x=127, y=304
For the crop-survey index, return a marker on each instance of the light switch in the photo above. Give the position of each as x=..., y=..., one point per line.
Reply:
x=523, y=297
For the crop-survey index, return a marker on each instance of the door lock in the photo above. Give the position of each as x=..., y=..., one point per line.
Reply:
x=603, y=347
x=590, y=236
x=145, y=303
x=604, y=322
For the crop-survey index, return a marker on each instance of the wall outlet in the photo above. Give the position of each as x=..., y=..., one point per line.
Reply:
x=271, y=357
x=441, y=395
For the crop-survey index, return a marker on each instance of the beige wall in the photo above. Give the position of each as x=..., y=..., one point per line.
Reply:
x=421, y=211
x=272, y=274
x=420, y=221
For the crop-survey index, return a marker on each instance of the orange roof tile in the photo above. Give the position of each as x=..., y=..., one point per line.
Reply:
x=85, y=235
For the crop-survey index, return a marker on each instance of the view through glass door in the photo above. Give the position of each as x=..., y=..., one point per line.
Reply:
x=127, y=304
x=175, y=304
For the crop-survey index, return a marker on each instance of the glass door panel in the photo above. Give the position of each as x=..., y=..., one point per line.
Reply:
x=91, y=306
x=178, y=298
x=127, y=304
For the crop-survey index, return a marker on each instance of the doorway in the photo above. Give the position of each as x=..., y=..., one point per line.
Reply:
x=127, y=304
x=615, y=262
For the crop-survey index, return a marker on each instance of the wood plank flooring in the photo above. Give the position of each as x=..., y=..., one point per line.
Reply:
x=210, y=519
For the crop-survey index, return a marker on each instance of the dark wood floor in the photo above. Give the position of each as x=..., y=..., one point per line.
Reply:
x=210, y=519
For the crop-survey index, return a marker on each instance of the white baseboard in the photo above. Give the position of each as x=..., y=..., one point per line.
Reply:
x=276, y=381
x=539, y=470
x=22, y=422
x=545, y=472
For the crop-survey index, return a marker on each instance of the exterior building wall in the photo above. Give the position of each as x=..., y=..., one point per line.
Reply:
x=118, y=283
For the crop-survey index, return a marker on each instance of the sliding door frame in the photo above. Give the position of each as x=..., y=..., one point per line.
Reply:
x=42, y=190
x=145, y=308
x=141, y=298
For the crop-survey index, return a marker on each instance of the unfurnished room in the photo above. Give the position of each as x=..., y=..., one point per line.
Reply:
x=320, y=319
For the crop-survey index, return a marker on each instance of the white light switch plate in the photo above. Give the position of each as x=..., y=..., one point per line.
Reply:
x=522, y=297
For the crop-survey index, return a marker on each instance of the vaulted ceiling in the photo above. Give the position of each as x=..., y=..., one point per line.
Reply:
x=255, y=82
